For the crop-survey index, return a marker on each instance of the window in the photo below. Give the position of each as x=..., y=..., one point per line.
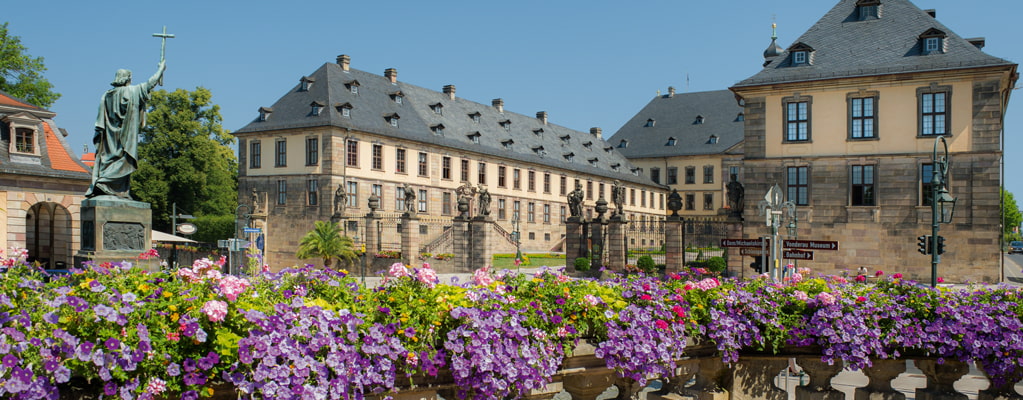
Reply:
x=282, y=192
x=547, y=237
x=600, y=190
x=932, y=44
x=926, y=187
x=501, y=176
x=531, y=181
x=632, y=197
x=516, y=179
x=546, y=182
x=422, y=200
x=868, y=9
x=393, y=121
x=934, y=115
x=345, y=110
x=352, y=153
x=547, y=214
x=465, y=171
x=316, y=107
x=563, y=185
x=445, y=203
x=281, y=155
x=399, y=199
x=708, y=201
x=481, y=174
x=313, y=192
x=623, y=144
x=437, y=108
x=564, y=214
x=399, y=161
x=353, y=194
x=424, y=165
x=312, y=151
x=264, y=113
x=475, y=117
x=797, y=119
x=690, y=201
x=862, y=117
x=690, y=175
x=378, y=157
x=672, y=178
x=655, y=175
x=798, y=185
x=501, y=209
x=708, y=174
x=642, y=198
x=649, y=123
x=530, y=212
x=661, y=199
x=398, y=98
x=424, y=229
x=255, y=154
x=799, y=57
x=25, y=140
x=475, y=137
x=437, y=129
x=671, y=141
x=862, y=189
x=377, y=190
x=516, y=207
x=506, y=124
x=508, y=144
x=445, y=168
x=589, y=190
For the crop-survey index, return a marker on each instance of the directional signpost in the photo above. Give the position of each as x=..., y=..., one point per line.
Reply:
x=810, y=244
x=797, y=255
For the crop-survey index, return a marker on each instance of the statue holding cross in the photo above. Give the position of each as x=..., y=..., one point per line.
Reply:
x=122, y=114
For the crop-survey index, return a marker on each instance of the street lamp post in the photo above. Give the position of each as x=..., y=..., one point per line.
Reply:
x=174, y=230
x=246, y=216
x=518, y=242
x=771, y=207
x=942, y=204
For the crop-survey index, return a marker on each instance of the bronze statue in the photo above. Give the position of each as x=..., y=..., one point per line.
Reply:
x=618, y=197
x=736, y=194
x=484, y=200
x=575, y=201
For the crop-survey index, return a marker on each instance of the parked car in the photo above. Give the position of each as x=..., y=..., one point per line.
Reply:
x=1015, y=247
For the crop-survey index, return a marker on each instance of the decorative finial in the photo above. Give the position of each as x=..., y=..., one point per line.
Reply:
x=774, y=30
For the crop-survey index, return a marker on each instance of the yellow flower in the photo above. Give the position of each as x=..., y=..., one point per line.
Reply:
x=173, y=307
x=403, y=319
x=174, y=317
x=143, y=287
x=209, y=391
x=415, y=339
x=167, y=294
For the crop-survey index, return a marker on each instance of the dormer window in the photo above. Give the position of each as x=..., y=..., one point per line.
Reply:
x=623, y=144
x=475, y=137
x=437, y=108
x=616, y=167
x=353, y=86
x=933, y=41
x=608, y=149
x=801, y=54
x=264, y=113
x=539, y=150
x=316, y=108
x=397, y=97
x=671, y=141
x=24, y=140
x=699, y=120
x=306, y=83
x=868, y=9
x=393, y=119
x=538, y=132
x=438, y=129
x=475, y=117
x=740, y=117
x=799, y=57
x=588, y=145
x=345, y=109
x=506, y=124
x=508, y=144
x=24, y=130
x=569, y=156
x=593, y=162
x=565, y=138
x=712, y=140
x=649, y=123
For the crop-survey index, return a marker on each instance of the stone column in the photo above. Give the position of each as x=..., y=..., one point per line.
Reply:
x=710, y=380
x=672, y=388
x=588, y=384
x=617, y=257
x=734, y=230
x=461, y=240
x=372, y=241
x=481, y=242
x=674, y=244
x=941, y=379
x=754, y=377
x=575, y=242
x=821, y=373
x=881, y=375
x=410, y=239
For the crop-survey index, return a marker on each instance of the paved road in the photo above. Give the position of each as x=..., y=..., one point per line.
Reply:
x=1014, y=269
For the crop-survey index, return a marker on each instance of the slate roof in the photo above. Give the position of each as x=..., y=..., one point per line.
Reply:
x=530, y=139
x=56, y=158
x=846, y=47
x=676, y=117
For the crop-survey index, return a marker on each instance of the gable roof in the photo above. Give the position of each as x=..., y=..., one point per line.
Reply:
x=845, y=46
x=676, y=117
x=55, y=157
x=373, y=107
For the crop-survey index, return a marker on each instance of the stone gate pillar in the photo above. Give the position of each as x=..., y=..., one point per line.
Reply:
x=674, y=244
x=410, y=239
x=481, y=242
x=617, y=256
x=732, y=254
x=575, y=242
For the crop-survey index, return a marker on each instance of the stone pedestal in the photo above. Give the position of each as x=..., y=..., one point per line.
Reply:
x=114, y=230
x=575, y=242
x=597, y=248
x=460, y=243
x=735, y=264
x=617, y=253
x=674, y=245
x=410, y=239
x=481, y=252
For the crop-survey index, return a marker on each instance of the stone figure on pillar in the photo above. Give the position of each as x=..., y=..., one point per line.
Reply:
x=122, y=114
x=484, y=200
x=340, y=200
x=618, y=197
x=255, y=201
x=410, y=199
x=736, y=195
x=575, y=201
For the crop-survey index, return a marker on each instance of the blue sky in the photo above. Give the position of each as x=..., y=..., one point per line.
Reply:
x=588, y=63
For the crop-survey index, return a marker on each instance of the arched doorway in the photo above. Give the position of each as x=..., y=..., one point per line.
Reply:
x=48, y=235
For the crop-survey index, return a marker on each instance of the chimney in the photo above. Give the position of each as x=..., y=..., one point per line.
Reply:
x=932, y=12
x=542, y=116
x=391, y=74
x=344, y=61
x=450, y=91
x=596, y=132
x=978, y=42
x=671, y=91
x=498, y=104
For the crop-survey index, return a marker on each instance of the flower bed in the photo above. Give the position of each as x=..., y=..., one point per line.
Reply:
x=318, y=333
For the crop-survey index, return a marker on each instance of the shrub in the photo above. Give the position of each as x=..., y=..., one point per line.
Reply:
x=716, y=264
x=646, y=264
x=582, y=264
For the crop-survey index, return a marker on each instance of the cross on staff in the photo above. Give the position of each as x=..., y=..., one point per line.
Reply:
x=163, y=46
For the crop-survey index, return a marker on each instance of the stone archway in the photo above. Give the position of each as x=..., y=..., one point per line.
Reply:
x=48, y=235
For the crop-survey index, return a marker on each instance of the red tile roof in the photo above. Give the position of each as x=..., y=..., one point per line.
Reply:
x=10, y=101
x=59, y=158
x=89, y=159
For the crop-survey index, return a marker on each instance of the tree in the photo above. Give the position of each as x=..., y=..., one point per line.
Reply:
x=21, y=75
x=1011, y=216
x=185, y=158
x=325, y=241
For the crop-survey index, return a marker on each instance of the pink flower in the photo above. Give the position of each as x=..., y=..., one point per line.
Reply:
x=941, y=280
x=215, y=310
x=156, y=386
x=591, y=300
x=897, y=276
x=173, y=336
x=826, y=298
x=800, y=295
x=149, y=254
x=678, y=310
x=482, y=277
x=861, y=278
x=661, y=324
x=398, y=270
x=879, y=273
x=645, y=297
x=231, y=286
x=427, y=276
x=861, y=299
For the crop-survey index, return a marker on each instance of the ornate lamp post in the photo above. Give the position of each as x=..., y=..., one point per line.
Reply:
x=518, y=242
x=771, y=208
x=942, y=205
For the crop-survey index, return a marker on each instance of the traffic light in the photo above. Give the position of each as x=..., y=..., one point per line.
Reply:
x=923, y=244
x=941, y=245
x=757, y=265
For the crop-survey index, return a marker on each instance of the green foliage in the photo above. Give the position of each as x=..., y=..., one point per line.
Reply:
x=716, y=265
x=211, y=228
x=326, y=242
x=185, y=158
x=1011, y=216
x=646, y=264
x=21, y=74
x=582, y=264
